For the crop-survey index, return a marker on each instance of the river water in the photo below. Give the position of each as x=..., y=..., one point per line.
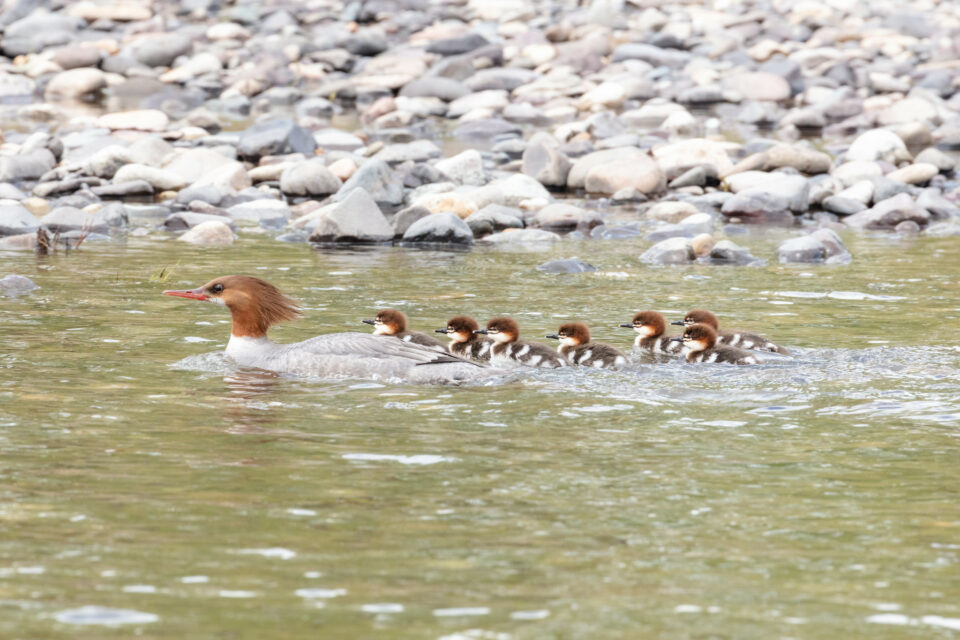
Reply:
x=150, y=488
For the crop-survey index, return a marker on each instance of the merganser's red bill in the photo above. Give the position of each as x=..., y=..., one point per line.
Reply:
x=193, y=294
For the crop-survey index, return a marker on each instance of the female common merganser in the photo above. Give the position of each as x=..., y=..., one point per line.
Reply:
x=576, y=347
x=740, y=339
x=651, y=327
x=506, y=334
x=464, y=339
x=390, y=322
x=256, y=305
x=700, y=344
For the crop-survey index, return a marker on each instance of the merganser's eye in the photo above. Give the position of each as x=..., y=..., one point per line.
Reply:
x=217, y=288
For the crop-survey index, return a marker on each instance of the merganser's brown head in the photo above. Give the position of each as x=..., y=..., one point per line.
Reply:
x=698, y=337
x=649, y=324
x=461, y=329
x=699, y=316
x=502, y=330
x=255, y=304
x=572, y=334
x=389, y=322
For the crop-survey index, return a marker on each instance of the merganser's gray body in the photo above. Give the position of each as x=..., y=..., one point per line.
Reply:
x=357, y=355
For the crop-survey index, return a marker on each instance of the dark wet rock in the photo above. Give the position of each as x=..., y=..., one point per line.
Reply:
x=310, y=178
x=439, y=228
x=14, y=285
x=366, y=42
x=355, y=219
x=27, y=166
x=888, y=213
x=669, y=251
x=275, y=137
x=835, y=251
x=161, y=51
x=728, y=252
x=843, y=206
x=546, y=164
x=564, y=217
x=447, y=89
x=756, y=205
x=493, y=218
x=184, y=220
x=73, y=219
x=802, y=249
x=406, y=217
x=266, y=212
x=376, y=178
x=567, y=265
x=458, y=45
x=15, y=219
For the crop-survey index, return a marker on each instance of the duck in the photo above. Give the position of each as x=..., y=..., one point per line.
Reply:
x=255, y=306
x=576, y=347
x=390, y=322
x=465, y=339
x=700, y=345
x=651, y=327
x=741, y=339
x=508, y=346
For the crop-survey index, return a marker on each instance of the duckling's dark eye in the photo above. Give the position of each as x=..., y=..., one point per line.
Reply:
x=217, y=288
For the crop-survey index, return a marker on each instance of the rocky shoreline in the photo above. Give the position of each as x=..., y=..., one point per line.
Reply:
x=509, y=123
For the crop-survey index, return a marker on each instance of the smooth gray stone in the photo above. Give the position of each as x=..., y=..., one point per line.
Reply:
x=73, y=219
x=727, y=252
x=161, y=51
x=458, y=45
x=184, y=220
x=16, y=219
x=669, y=251
x=279, y=136
x=376, y=178
x=802, y=249
x=356, y=219
x=406, y=217
x=439, y=228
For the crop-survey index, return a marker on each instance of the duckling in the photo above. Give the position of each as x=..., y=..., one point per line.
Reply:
x=465, y=341
x=700, y=344
x=390, y=322
x=506, y=333
x=741, y=339
x=651, y=327
x=576, y=347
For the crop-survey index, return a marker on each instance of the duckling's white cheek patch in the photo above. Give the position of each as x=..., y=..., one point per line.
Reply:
x=501, y=337
x=380, y=330
x=568, y=342
x=644, y=331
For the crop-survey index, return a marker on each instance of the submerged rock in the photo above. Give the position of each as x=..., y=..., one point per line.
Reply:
x=567, y=265
x=802, y=249
x=14, y=285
